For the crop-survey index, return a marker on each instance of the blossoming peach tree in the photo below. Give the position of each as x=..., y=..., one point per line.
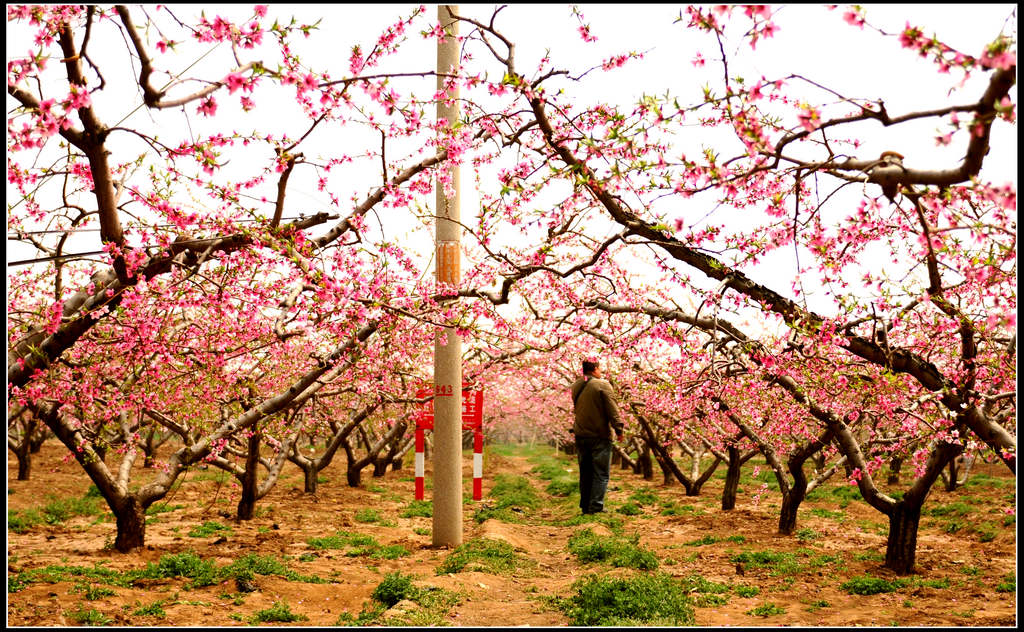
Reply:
x=750, y=277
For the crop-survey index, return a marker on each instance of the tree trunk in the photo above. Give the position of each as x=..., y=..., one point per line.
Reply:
x=309, y=476
x=790, y=504
x=732, y=479
x=24, y=455
x=149, y=446
x=646, y=467
x=819, y=460
x=247, y=502
x=901, y=548
x=131, y=524
x=951, y=479
x=666, y=473
x=354, y=475
x=24, y=464
x=795, y=495
x=895, y=465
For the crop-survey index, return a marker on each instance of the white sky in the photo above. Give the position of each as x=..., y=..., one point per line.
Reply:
x=811, y=41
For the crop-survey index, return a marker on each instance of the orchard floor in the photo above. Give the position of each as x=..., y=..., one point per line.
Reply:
x=956, y=579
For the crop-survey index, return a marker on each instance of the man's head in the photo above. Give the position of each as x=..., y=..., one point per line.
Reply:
x=591, y=368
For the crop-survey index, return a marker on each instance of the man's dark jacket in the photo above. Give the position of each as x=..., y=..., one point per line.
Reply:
x=596, y=412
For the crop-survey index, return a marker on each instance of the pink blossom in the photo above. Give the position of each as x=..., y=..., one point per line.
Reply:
x=854, y=18
x=208, y=107
x=234, y=81
x=809, y=118
x=261, y=10
x=309, y=82
x=78, y=98
x=1003, y=60
x=614, y=62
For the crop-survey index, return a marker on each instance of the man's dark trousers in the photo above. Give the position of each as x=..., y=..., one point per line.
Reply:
x=595, y=459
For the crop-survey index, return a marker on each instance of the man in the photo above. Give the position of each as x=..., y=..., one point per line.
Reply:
x=596, y=417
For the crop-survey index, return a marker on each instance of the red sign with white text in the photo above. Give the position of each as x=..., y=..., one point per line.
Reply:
x=472, y=408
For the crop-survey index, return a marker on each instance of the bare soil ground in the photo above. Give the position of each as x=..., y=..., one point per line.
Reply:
x=957, y=573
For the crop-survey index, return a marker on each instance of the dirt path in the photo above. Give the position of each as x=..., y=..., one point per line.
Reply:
x=956, y=585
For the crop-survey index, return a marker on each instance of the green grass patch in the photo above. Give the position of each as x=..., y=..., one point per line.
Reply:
x=159, y=508
x=92, y=592
x=23, y=521
x=394, y=588
x=930, y=583
x=826, y=513
x=513, y=497
x=958, y=508
x=367, y=515
x=208, y=529
x=1008, y=583
x=807, y=534
x=766, y=609
x=279, y=612
x=869, y=556
x=706, y=593
x=696, y=583
x=710, y=539
x=549, y=470
x=186, y=564
x=481, y=554
x=88, y=616
x=390, y=552
x=248, y=566
x=985, y=480
x=748, y=591
x=780, y=563
x=354, y=544
x=986, y=531
x=673, y=509
x=644, y=497
x=615, y=550
x=642, y=600
x=868, y=585
x=629, y=509
x=59, y=510
x=155, y=609
x=419, y=509
x=434, y=604
x=55, y=511
x=562, y=487
x=843, y=494
x=58, y=573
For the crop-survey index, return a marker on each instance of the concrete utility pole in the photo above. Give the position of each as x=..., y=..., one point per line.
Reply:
x=447, y=526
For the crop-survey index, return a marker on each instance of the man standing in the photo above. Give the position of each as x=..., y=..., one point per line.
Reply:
x=596, y=416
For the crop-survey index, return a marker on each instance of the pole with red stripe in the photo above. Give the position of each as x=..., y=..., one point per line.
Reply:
x=419, y=463
x=478, y=463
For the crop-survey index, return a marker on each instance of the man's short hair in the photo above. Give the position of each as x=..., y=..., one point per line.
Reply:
x=589, y=366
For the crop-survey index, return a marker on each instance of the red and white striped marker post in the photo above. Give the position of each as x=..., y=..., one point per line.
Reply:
x=472, y=418
x=478, y=464
x=424, y=421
